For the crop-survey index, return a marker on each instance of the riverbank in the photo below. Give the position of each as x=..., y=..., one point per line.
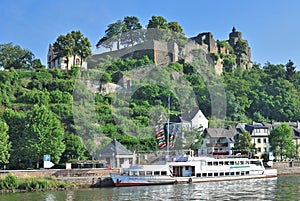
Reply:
x=287, y=168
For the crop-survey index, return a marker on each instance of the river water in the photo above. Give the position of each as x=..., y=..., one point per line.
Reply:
x=281, y=188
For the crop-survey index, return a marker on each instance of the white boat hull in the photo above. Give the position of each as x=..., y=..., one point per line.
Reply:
x=125, y=180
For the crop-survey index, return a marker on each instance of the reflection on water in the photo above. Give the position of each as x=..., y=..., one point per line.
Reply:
x=281, y=188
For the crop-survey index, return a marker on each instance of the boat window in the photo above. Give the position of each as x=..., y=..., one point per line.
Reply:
x=221, y=173
x=231, y=173
x=221, y=163
x=226, y=173
x=242, y=173
x=199, y=175
x=242, y=162
x=135, y=173
x=186, y=168
x=210, y=174
x=226, y=162
x=209, y=163
x=246, y=162
x=237, y=162
x=216, y=174
x=231, y=162
x=163, y=172
x=204, y=174
x=142, y=173
x=237, y=173
x=156, y=172
x=247, y=172
x=148, y=173
x=216, y=163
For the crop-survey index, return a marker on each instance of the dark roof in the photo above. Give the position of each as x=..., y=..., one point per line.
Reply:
x=296, y=133
x=220, y=132
x=113, y=148
x=189, y=115
x=251, y=127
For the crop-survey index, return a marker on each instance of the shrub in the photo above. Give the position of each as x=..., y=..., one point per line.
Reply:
x=11, y=182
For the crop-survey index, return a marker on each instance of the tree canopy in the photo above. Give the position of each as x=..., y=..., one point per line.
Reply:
x=5, y=144
x=13, y=56
x=72, y=44
x=281, y=141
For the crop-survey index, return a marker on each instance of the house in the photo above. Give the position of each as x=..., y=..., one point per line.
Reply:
x=54, y=60
x=116, y=155
x=194, y=119
x=296, y=132
x=218, y=141
x=259, y=134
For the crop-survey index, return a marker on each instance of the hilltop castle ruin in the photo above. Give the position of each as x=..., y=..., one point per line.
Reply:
x=226, y=54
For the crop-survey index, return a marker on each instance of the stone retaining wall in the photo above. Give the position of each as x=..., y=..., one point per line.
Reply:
x=82, y=177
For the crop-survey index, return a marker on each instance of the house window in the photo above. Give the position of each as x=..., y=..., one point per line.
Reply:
x=258, y=140
x=265, y=149
x=265, y=140
x=259, y=149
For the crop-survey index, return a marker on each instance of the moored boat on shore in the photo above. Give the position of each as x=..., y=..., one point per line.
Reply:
x=190, y=169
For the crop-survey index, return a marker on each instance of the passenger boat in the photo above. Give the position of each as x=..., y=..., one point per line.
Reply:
x=190, y=169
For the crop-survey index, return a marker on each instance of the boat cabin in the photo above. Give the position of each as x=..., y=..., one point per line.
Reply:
x=211, y=167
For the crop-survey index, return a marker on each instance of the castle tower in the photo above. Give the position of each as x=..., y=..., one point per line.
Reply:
x=234, y=36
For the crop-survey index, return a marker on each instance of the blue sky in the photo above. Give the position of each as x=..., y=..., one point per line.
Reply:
x=271, y=26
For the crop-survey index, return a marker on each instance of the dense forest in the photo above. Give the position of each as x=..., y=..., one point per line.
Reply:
x=50, y=111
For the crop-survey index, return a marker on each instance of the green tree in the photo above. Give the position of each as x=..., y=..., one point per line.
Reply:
x=44, y=134
x=281, y=141
x=175, y=27
x=113, y=33
x=15, y=57
x=290, y=70
x=15, y=121
x=82, y=46
x=72, y=44
x=274, y=71
x=64, y=46
x=5, y=144
x=240, y=48
x=132, y=33
x=157, y=22
x=243, y=143
x=75, y=149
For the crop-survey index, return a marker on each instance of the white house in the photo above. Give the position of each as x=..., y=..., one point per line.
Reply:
x=194, y=119
x=259, y=135
x=54, y=60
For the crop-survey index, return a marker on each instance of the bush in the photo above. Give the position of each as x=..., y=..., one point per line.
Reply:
x=10, y=182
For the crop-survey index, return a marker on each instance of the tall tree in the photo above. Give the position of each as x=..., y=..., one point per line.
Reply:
x=15, y=57
x=243, y=143
x=15, y=121
x=5, y=144
x=44, y=134
x=82, y=46
x=175, y=27
x=275, y=71
x=132, y=33
x=290, y=70
x=157, y=22
x=64, y=46
x=72, y=44
x=281, y=141
x=75, y=149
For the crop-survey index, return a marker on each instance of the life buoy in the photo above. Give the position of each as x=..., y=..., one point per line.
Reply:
x=190, y=180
